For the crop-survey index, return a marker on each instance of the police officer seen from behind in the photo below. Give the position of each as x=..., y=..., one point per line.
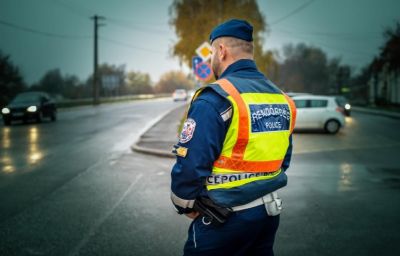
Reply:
x=233, y=152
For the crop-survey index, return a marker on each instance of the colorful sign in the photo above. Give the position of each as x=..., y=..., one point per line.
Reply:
x=204, y=51
x=203, y=71
x=196, y=60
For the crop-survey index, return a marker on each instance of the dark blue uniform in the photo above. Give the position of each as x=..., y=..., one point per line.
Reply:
x=256, y=228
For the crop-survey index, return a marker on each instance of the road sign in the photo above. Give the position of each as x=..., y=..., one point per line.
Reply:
x=345, y=89
x=110, y=82
x=203, y=71
x=196, y=61
x=204, y=51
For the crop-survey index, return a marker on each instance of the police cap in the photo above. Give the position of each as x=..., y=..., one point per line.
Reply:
x=233, y=28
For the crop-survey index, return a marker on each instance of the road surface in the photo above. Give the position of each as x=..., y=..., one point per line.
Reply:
x=74, y=188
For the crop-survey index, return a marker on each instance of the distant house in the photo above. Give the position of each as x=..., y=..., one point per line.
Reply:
x=384, y=85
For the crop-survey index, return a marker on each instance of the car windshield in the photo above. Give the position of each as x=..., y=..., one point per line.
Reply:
x=27, y=97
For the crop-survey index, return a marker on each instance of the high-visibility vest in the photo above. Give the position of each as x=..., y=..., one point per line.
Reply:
x=255, y=144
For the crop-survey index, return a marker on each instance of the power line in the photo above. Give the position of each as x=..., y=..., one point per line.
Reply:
x=82, y=12
x=128, y=25
x=346, y=50
x=344, y=36
x=331, y=47
x=38, y=32
x=298, y=9
x=129, y=45
x=47, y=34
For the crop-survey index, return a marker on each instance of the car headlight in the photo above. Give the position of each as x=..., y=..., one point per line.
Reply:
x=32, y=109
x=5, y=111
x=347, y=106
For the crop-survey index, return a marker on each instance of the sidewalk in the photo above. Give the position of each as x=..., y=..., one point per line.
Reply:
x=160, y=138
x=376, y=112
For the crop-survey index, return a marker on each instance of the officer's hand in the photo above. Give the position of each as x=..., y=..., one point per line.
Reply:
x=192, y=215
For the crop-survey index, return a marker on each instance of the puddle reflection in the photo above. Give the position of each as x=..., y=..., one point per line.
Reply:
x=34, y=152
x=30, y=144
x=5, y=138
x=345, y=181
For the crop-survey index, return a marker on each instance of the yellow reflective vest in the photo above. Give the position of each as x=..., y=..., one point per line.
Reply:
x=256, y=142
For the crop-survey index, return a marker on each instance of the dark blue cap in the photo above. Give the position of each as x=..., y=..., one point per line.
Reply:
x=233, y=28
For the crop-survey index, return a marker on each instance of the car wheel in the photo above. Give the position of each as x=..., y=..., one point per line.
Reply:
x=6, y=122
x=39, y=117
x=332, y=126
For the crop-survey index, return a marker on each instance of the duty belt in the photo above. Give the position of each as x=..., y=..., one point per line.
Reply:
x=267, y=199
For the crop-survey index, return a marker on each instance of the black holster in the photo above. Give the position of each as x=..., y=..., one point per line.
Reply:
x=212, y=213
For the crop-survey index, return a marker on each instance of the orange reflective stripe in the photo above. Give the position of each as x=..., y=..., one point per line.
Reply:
x=243, y=129
x=248, y=166
x=293, y=111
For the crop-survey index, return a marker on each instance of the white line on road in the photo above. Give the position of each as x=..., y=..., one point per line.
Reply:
x=101, y=220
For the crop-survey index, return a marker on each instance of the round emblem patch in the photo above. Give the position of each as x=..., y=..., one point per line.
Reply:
x=187, y=130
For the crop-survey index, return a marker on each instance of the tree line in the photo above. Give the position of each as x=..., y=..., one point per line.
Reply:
x=114, y=80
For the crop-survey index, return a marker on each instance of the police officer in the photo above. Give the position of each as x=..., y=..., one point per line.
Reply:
x=233, y=151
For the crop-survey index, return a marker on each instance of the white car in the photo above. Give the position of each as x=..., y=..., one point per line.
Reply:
x=180, y=94
x=294, y=94
x=191, y=93
x=319, y=112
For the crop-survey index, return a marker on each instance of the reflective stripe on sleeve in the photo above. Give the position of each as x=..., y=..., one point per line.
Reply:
x=227, y=114
x=181, y=202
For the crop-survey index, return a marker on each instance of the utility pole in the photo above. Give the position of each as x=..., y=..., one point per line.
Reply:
x=96, y=19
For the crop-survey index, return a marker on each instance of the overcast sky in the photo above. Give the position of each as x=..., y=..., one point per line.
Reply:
x=137, y=34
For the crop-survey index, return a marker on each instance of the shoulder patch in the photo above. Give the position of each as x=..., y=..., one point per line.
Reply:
x=226, y=114
x=179, y=151
x=187, y=131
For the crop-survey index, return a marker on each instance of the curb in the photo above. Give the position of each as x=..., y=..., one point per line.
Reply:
x=376, y=112
x=151, y=151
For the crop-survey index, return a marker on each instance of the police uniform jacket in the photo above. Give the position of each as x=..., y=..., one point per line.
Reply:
x=210, y=116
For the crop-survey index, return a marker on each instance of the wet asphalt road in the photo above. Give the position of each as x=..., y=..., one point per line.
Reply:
x=60, y=181
x=344, y=191
x=74, y=188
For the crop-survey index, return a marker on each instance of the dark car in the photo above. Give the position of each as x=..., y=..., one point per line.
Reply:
x=30, y=106
x=344, y=103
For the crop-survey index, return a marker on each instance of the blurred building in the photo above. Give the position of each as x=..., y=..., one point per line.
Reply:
x=384, y=86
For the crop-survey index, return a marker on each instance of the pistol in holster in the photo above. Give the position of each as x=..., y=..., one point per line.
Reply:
x=211, y=212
